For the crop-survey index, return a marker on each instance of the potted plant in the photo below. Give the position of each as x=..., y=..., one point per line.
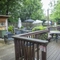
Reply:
x=11, y=29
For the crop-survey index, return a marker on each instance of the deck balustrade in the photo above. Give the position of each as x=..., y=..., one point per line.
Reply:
x=31, y=46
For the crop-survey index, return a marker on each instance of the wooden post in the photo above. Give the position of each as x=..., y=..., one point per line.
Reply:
x=48, y=16
x=6, y=24
x=44, y=53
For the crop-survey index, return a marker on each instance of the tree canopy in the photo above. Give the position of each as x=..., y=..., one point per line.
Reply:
x=56, y=12
x=24, y=9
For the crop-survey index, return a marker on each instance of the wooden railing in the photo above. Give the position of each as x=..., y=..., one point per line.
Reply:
x=54, y=28
x=30, y=46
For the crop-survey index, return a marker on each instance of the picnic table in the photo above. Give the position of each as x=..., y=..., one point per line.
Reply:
x=55, y=33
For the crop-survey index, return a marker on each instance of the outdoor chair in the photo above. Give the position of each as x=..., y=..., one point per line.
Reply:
x=8, y=37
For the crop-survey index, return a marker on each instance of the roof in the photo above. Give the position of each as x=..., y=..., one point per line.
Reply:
x=4, y=16
x=29, y=20
x=37, y=21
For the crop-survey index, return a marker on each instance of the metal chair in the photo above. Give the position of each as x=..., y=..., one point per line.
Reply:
x=8, y=37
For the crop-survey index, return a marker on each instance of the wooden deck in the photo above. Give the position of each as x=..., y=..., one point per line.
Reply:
x=53, y=51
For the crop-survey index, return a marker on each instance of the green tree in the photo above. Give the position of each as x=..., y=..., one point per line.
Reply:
x=9, y=7
x=56, y=12
x=24, y=9
x=32, y=9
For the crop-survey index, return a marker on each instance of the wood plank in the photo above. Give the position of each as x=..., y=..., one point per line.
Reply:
x=54, y=53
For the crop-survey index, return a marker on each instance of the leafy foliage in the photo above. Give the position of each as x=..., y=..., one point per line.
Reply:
x=11, y=29
x=38, y=28
x=56, y=12
x=24, y=9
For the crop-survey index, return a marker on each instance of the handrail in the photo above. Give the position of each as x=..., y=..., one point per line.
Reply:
x=39, y=41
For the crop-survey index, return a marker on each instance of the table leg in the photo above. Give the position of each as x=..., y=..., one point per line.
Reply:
x=56, y=37
x=52, y=35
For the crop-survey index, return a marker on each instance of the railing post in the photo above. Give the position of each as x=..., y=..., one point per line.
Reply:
x=16, y=54
x=44, y=53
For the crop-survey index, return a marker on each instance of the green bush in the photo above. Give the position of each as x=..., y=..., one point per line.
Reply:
x=38, y=28
x=21, y=27
x=11, y=29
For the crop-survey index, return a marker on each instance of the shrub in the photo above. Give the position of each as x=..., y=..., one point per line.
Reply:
x=38, y=28
x=21, y=27
x=11, y=29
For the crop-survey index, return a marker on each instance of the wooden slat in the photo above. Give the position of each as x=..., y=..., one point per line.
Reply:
x=37, y=51
x=33, y=53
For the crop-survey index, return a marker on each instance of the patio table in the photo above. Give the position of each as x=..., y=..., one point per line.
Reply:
x=55, y=33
